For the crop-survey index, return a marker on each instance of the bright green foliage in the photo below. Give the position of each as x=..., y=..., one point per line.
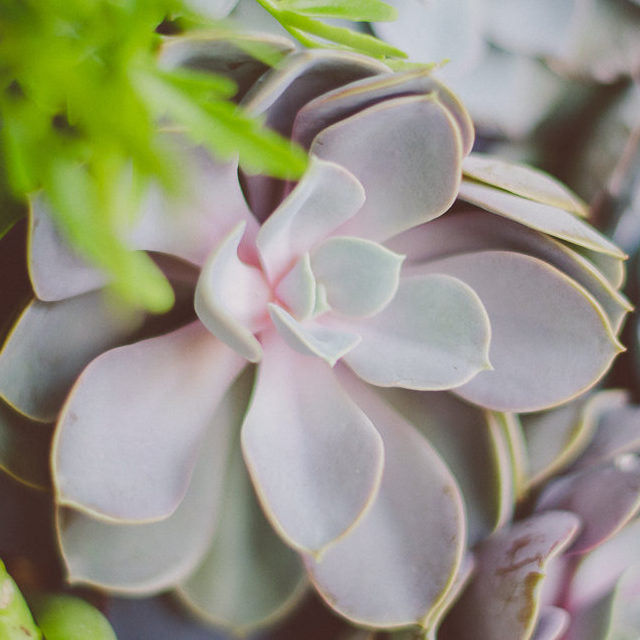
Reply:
x=79, y=98
x=298, y=17
x=16, y=622
x=63, y=617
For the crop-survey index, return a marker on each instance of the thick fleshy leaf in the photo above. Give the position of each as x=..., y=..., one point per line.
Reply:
x=551, y=625
x=433, y=335
x=618, y=431
x=343, y=102
x=248, y=577
x=599, y=570
x=542, y=217
x=472, y=446
x=399, y=564
x=326, y=196
x=56, y=271
x=605, y=498
x=420, y=139
x=189, y=224
x=314, y=456
x=511, y=428
x=24, y=448
x=477, y=230
x=555, y=438
x=281, y=94
x=224, y=55
x=625, y=615
x=297, y=290
x=150, y=557
x=549, y=339
x=50, y=345
x=360, y=277
x=503, y=599
x=129, y=433
x=522, y=180
x=312, y=339
x=231, y=297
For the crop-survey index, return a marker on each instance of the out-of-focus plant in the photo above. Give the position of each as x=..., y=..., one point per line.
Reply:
x=81, y=96
x=518, y=64
x=59, y=617
x=364, y=297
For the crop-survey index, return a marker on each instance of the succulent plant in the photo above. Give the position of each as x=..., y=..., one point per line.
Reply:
x=339, y=411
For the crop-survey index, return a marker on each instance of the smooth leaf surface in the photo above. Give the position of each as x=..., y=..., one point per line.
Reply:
x=552, y=220
x=231, y=296
x=503, y=599
x=332, y=106
x=605, y=498
x=358, y=10
x=549, y=340
x=472, y=447
x=312, y=339
x=24, y=448
x=314, y=457
x=129, y=433
x=477, y=230
x=522, y=180
x=248, y=577
x=422, y=140
x=433, y=335
x=365, y=576
x=151, y=557
x=326, y=196
x=50, y=345
x=360, y=277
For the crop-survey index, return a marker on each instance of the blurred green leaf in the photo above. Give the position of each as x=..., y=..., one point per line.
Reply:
x=16, y=622
x=356, y=10
x=63, y=617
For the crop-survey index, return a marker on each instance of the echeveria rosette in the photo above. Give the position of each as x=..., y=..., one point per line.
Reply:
x=360, y=303
x=568, y=570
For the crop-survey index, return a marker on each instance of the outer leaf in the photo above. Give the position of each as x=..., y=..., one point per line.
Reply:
x=248, y=576
x=50, y=345
x=524, y=181
x=472, y=446
x=477, y=230
x=365, y=576
x=422, y=140
x=551, y=220
x=151, y=557
x=130, y=430
x=314, y=457
x=503, y=599
x=550, y=340
x=605, y=498
x=24, y=448
x=433, y=335
x=556, y=438
x=332, y=106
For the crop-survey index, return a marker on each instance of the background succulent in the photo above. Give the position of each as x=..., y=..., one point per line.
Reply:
x=151, y=488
